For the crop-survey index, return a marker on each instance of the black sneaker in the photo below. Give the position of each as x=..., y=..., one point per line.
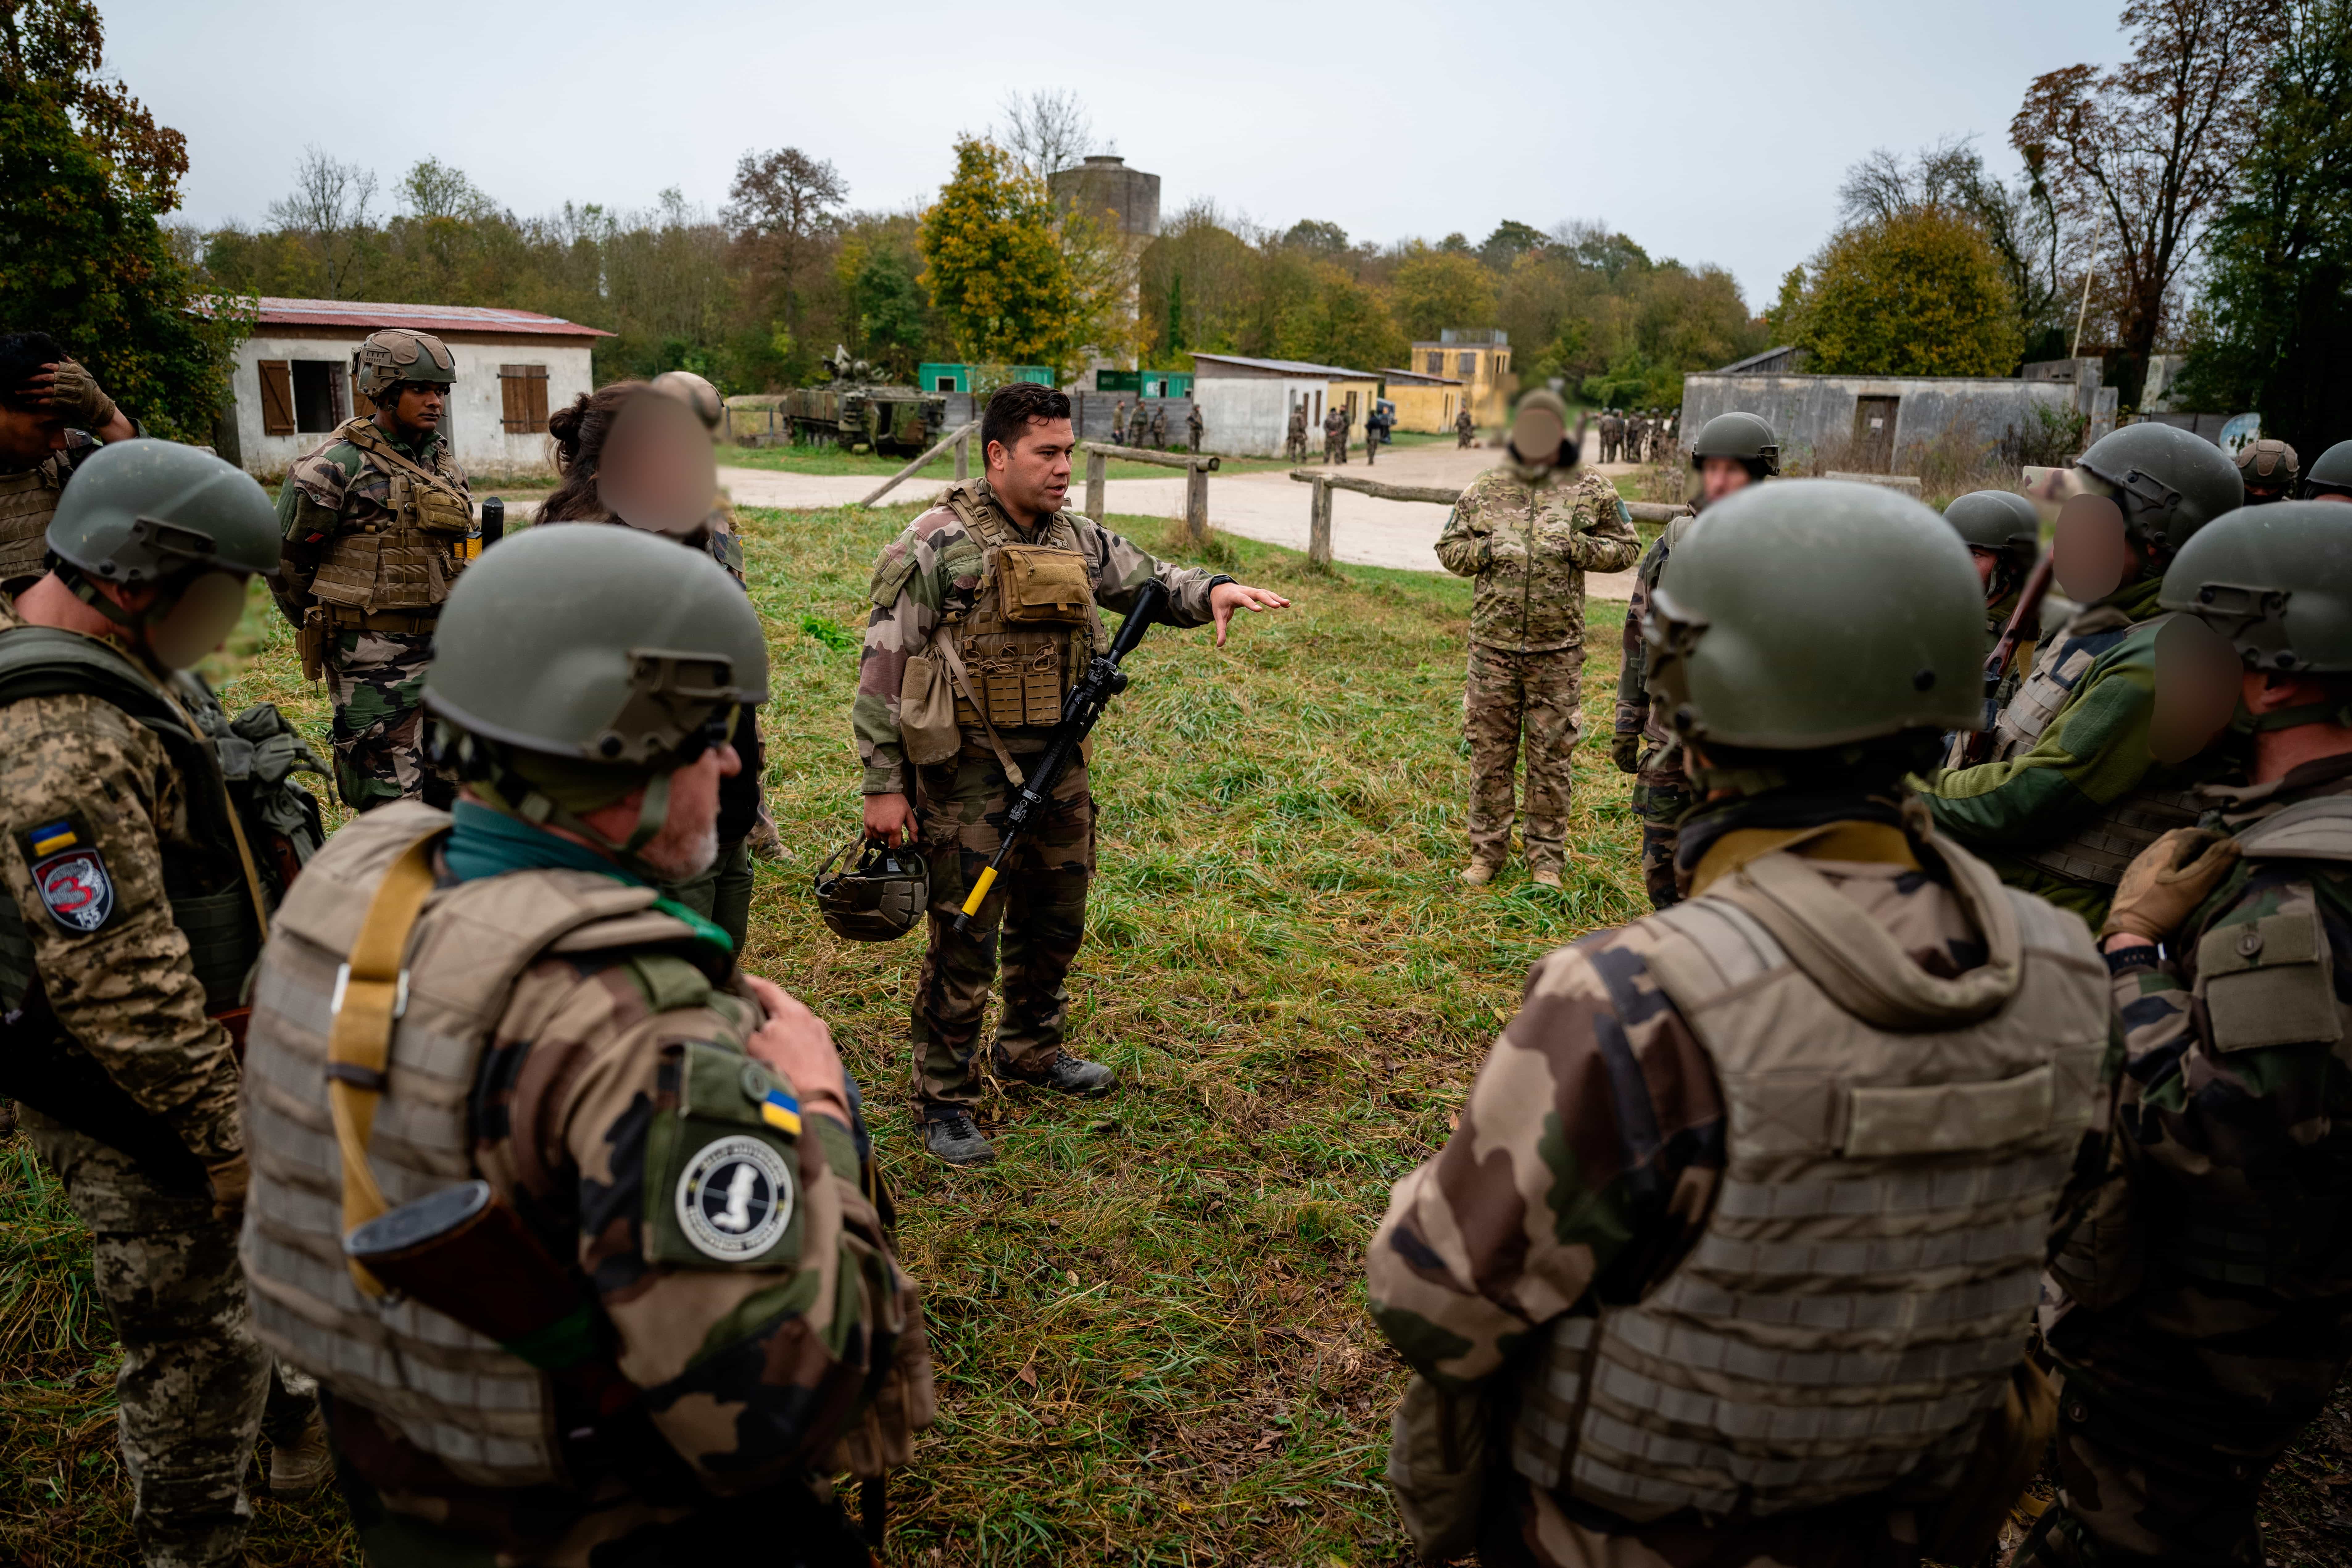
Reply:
x=953, y=1137
x=1066, y=1074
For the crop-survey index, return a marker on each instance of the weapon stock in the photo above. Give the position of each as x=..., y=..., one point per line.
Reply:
x=1080, y=711
x=1976, y=747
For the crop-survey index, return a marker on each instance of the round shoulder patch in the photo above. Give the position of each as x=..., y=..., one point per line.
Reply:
x=735, y=1198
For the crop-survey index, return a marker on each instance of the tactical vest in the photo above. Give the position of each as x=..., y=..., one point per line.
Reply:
x=1034, y=625
x=1897, y=1143
x=2057, y=670
x=409, y=560
x=484, y=1412
x=27, y=501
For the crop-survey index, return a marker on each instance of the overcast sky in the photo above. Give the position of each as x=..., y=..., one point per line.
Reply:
x=1709, y=131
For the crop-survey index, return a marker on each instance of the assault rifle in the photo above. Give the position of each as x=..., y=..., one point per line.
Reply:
x=1977, y=746
x=1104, y=679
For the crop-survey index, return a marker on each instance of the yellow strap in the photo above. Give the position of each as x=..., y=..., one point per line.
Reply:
x=1865, y=841
x=369, y=995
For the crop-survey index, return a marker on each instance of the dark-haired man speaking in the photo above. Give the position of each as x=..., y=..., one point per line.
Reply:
x=972, y=608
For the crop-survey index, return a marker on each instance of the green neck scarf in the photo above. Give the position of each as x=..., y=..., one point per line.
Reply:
x=486, y=842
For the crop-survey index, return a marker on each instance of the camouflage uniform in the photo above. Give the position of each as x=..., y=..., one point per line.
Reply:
x=1462, y=428
x=1194, y=428
x=1612, y=437
x=1119, y=423
x=28, y=498
x=2204, y=1317
x=1641, y=745
x=82, y=780
x=931, y=576
x=1335, y=435
x=1158, y=424
x=1528, y=545
x=374, y=655
x=1590, y=1162
x=1296, y=451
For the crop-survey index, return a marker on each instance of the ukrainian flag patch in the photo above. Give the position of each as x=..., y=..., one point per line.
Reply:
x=50, y=838
x=782, y=1111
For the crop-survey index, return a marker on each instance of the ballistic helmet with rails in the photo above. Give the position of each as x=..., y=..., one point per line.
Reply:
x=2268, y=467
x=1744, y=436
x=402, y=354
x=879, y=898
x=2001, y=522
x=2332, y=474
x=2167, y=482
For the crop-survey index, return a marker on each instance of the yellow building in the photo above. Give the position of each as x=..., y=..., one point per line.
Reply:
x=1424, y=403
x=1480, y=359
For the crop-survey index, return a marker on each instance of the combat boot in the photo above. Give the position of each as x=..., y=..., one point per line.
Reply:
x=1478, y=873
x=952, y=1136
x=1547, y=877
x=1066, y=1074
x=300, y=1468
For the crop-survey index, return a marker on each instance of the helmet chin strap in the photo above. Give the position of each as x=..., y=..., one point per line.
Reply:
x=505, y=790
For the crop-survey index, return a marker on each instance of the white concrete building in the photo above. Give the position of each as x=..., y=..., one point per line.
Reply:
x=1246, y=402
x=292, y=382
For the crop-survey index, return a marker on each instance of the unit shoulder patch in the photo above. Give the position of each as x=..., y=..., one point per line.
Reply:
x=734, y=1198
x=69, y=874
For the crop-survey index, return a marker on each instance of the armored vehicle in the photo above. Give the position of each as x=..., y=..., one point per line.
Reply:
x=856, y=408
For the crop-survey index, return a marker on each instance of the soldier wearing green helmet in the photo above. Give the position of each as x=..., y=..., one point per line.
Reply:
x=2071, y=794
x=148, y=837
x=2206, y=1319
x=2003, y=533
x=2330, y=478
x=1732, y=452
x=377, y=523
x=1732, y=1256
x=501, y=994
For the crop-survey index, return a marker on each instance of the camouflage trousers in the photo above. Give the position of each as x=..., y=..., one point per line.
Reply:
x=1515, y=702
x=1662, y=796
x=194, y=1388
x=377, y=683
x=1036, y=913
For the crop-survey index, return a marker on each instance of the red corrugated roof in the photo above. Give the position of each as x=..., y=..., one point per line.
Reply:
x=362, y=317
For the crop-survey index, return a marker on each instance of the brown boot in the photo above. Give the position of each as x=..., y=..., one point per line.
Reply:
x=1547, y=877
x=761, y=840
x=300, y=1468
x=1478, y=873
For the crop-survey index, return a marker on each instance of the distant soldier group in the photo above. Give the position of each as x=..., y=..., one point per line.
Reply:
x=1142, y=428
x=1647, y=437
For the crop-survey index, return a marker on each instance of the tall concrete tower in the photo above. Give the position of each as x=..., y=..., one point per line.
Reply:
x=1104, y=185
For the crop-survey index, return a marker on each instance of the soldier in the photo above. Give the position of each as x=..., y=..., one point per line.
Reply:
x=2268, y=469
x=1527, y=532
x=1296, y=450
x=1335, y=434
x=1160, y=426
x=140, y=874
x=378, y=523
x=52, y=416
x=2330, y=478
x=1733, y=451
x=1374, y=430
x=2071, y=794
x=1612, y=435
x=705, y=1315
x=950, y=642
x=1119, y=424
x=1463, y=426
x=2204, y=1320
x=1731, y=1257
x=1194, y=427
x=723, y=892
x=2003, y=533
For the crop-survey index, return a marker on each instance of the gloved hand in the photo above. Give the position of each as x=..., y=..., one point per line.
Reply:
x=1625, y=750
x=2167, y=880
x=230, y=1177
x=75, y=393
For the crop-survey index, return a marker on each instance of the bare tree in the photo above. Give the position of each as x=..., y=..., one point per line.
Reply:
x=1046, y=129
x=329, y=205
x=778, y=211
x=2142, y=155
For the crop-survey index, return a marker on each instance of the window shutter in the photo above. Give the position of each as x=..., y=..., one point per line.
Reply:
x=277, y=397
x=522, y=398
x=537, y=410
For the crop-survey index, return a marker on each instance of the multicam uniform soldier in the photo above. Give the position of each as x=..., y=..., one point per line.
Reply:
x=2003, y=533
x=1732, y=1256
x=1194, y=428
x=1463, y=425
x=1296, y=451
x=146, y=834
x=378, y=523
x=672, y=1146
x=1613, y=436
x=985, y=612
x=2204, y=1316
x=1528, y=531
x=2071, y=795
x=2268, y=469
x=53, y=415
x=1335, y=434
x=1732, y=452
x=1159, y=426
x=1119, y=423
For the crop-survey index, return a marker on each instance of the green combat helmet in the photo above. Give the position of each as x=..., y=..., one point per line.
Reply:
x=2332, y=474
x=2275, y=582
x=2167, y=482
x=2002, y=522
x=146, y=512
x=1741, y=436
x=1814, y=614
x=401, y=354
x=879, y=898
x=2268, y=469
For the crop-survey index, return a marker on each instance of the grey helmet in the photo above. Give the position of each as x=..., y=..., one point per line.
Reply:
x=2168, y=483
x=880, y=898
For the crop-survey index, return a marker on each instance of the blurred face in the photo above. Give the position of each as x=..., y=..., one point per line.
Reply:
x=1719, y=476
x=1032, y=478
x=1986, y=564
x=688, y=840
x=2331, y=495
x=27, y=435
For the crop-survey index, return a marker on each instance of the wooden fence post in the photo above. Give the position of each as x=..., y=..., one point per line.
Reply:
x=1196, y=504
x=1097, y=465
x=963, y=456
x=1319, y=527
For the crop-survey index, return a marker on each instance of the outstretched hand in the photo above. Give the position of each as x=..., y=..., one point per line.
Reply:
x=1227, y=597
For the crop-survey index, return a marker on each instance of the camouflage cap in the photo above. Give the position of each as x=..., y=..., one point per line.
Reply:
x=2268, y=463
x=402, y=354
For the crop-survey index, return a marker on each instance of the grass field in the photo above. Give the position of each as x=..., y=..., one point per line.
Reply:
x=1148, y=1315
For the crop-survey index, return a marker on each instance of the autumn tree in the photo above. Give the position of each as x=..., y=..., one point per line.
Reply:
x=778, y=209
x=85, y=177
x=1918, y=293
x=2139, y=157
x=1433, y=290
x=992, y=265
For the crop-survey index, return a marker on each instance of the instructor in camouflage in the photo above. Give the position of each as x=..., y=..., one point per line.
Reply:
x=1731, y=1258
x=53, y=415
x=2204, y=1317
x=1733, y=451
x=1527, y=532
x=378, y=523
x=985, y=610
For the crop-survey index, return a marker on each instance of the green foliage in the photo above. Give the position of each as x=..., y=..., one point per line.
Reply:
x=1316, y=237
x=1173, y=340
x=1434, y=289
x=1339, y=321
x=885, y=302
x=1919, y=292
x=991, y=263
x=85, y=175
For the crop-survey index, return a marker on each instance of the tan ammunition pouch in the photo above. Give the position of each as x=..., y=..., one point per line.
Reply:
x=409, y=562
x=1858, y=1303
x=2098, y=851
x=1031, y=629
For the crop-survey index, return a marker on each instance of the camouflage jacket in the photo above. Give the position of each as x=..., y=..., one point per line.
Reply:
x=1529, y=546
x=931, y=572
x=1634, y=716
x=79, y=776
x=332, y=488
x=2212, y=1290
